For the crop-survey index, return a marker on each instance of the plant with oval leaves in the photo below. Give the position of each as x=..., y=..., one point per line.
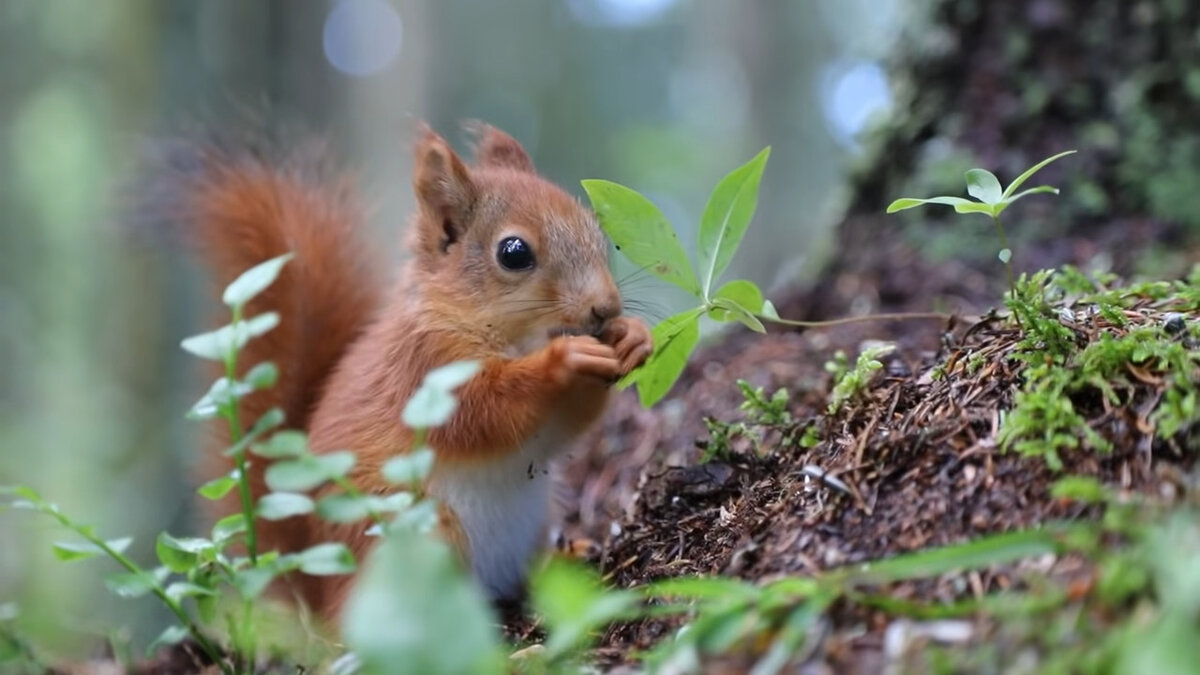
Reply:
x=641, y=233
x=194, y=573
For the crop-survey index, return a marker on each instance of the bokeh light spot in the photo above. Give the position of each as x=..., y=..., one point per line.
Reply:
x=619, y=13
x=851, y=94
x=362, y=37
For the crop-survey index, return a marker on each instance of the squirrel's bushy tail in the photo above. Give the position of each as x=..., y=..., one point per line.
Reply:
x=236, y=205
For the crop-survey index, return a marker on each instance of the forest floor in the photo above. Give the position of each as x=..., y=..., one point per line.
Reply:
x=735, y=482
x=706, y=484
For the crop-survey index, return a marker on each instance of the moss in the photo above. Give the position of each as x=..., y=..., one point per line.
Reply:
x=1088, y=345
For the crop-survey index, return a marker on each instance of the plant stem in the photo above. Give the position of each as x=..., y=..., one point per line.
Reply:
x=235, y=434
x=232, y=414
x=157, y=589
x=1012, y=284
x=900, y=316
x=1012, y=281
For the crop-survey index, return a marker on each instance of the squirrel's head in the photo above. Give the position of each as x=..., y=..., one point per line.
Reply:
x=523, y=256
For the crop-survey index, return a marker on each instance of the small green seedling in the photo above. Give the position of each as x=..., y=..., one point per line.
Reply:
x=985, y=187
x=852, y=382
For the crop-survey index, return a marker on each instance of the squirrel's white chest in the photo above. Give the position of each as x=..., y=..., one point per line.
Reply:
x=502, y=507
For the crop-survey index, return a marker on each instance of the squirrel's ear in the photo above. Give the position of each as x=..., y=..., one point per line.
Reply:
x=444, y=191
x=494, y=148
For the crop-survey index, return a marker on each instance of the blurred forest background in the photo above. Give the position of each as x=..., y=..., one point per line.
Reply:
x=662, y=95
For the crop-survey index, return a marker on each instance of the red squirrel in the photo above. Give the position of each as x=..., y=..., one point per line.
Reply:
x=504, y=267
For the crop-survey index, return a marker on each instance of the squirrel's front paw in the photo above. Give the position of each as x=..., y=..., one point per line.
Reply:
x=630, y=339
x=582, y=356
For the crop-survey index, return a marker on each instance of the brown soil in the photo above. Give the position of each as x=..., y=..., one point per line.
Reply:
x=910, y=465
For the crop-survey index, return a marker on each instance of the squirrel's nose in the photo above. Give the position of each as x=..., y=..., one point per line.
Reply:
x=603, y=312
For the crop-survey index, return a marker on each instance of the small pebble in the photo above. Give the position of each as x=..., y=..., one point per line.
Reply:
x=1174, y=323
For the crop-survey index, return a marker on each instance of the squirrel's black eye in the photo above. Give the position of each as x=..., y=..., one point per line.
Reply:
x=514, y=254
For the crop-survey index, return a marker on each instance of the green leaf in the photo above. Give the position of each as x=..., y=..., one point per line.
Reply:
x=346, y=508
x=724, y=309
x=420, y=517
x=673, y=338
x=262, y=376
x=1084, y=489
x=309, y=471
x=228, y=527
x=1012, y=187
x=282, y=444
x=71, y=550
x=701, y=588
x=740, y=300
x=222, y=393
x=250, y=583
x=976, y=207
x=744, y=293
x=82, y=550
x=908, y=203
x=180, y=554
x=269, y=420
x=172, y=635
x=726, y=217
x=791, y=635
x=280, y=505
x=989, y=550
x=206, y=607
x=768, y=310
x=411, y=595
x=984, y=186
x=1041, y=189
x=182, y=589
x=397, y=501
x=254, y=281
x=29, y=499
x=218, y=487
x=432, y=404
x=452, y=375
x=573, y=603
x=326, y=559
x=221, y=343
x=174, y=560
x=428, y=407
x=408, y=469
x=641, y=233
x=131, y=584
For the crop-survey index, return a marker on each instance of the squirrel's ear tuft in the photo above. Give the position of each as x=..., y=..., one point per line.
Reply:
x=444, y=191
x=494, y=148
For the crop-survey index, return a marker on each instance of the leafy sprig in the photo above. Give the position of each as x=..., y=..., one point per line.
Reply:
x=641, y=233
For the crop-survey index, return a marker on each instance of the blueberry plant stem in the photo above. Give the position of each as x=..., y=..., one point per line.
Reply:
x=235, y=436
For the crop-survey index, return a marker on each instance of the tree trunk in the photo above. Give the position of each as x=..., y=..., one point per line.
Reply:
x=1002, y=85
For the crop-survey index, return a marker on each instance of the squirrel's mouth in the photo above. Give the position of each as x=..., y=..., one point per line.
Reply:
x=563, y=331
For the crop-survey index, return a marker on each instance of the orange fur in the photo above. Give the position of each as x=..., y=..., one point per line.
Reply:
x=549, y=338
